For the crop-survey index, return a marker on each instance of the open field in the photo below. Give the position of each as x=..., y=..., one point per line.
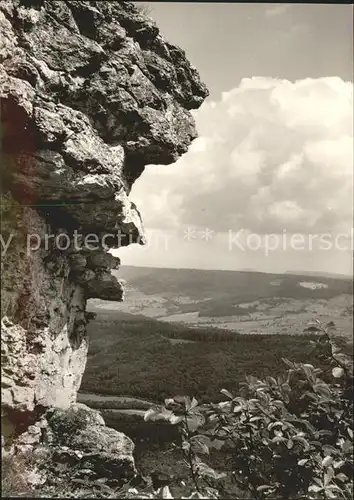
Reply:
x=244, y=302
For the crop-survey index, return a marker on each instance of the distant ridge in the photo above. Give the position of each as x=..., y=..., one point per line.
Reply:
x=242, y=301
x=314, y=274
x=323, y=274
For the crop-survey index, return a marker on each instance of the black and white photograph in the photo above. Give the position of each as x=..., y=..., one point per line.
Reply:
x=177, y=250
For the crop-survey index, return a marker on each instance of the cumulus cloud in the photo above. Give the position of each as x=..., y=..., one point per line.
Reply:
x=272, y=155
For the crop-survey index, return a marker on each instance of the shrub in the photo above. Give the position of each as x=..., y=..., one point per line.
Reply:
x=289, y=437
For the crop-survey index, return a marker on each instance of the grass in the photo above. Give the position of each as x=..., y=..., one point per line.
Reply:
x=133, y=356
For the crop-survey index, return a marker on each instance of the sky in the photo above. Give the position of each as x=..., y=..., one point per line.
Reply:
x=268, y=184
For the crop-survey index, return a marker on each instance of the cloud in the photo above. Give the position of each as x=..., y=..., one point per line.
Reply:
x=272, y=155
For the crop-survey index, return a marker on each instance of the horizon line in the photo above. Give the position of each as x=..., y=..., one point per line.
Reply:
x=245, y=270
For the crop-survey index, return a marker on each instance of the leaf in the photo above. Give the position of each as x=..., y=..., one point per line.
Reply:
x=336, y=349
x=166, y=493
x=342, y=477
x=347, y=446
x=224, y=404
x=342, y=358
x=303, y=441
x=328, y=449
x=315, y=488
x=303, y=461
x=337, y=372
x=323, y=390
x=157, y=414
x=329, y=474
x=205, y=470
x=255, y=419
x=327, y=461
x=324, y=433
x=187, y=403
x=199, y=447
x=274, y=424
x=290, y=444
x=200, y=444
x=194, y=403
x=308, y=369
x=186, y=446
x=263, y=487
x=271, y=380
x=286, y=387
x=227, y=393
x=330, y=493
x=330, y=324
x=278, y=439
x=181, y=400
x=288, y=363
x=195, y=421
x=312, y=328
x=350, y=432
x=300, y=434
x=174, y=419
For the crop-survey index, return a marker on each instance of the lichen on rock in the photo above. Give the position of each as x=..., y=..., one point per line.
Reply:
x=90, y=93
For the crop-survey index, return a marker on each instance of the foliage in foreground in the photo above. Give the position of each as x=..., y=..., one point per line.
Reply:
x=290, y=436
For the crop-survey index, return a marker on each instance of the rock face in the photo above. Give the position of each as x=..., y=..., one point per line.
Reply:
x=78, y=435
x=90, y=94
x=73, y=447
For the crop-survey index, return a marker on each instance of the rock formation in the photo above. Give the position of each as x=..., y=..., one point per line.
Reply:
x=90, y=93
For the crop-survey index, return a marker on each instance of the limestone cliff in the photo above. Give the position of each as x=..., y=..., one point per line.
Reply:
x=90, y=94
